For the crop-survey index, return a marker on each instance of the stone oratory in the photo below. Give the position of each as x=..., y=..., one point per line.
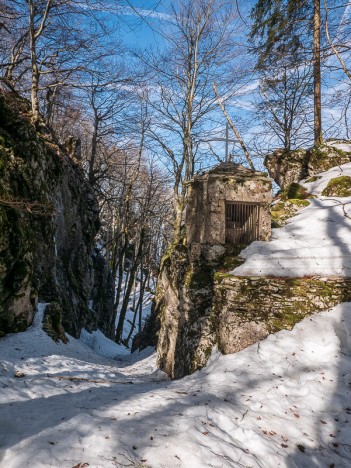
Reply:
x=228, y=204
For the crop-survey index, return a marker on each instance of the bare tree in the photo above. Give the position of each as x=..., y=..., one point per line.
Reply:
x=49, y=44
x=233, y=127
x=284, y=105
x=342, y=44
x=200, y=50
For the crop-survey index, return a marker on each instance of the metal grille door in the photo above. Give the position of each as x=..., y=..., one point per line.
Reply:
x=241, y=222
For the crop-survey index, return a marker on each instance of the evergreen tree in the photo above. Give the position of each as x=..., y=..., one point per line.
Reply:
x=282, y=36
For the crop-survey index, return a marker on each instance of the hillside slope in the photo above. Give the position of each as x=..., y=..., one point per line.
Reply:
x=282, y=402
x=315, y=242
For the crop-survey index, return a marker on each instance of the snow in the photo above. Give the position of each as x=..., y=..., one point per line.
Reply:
x=316, y=187
x=102, y=345
x=282, y=402
x=343, y=146
x=315, y=242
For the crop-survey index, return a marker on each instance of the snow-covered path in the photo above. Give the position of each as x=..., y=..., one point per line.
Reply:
x=283, y=402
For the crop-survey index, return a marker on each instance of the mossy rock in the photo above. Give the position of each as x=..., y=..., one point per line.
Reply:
x=231, y=258
x=229, y=262
x=323, y=158
x=220, y=276
x=338, y=187
x=279, y=303
x=198, y=277
x=295, y=191
x=52, y=322
x=286, y=209
x=298, y=202
x=313, y=179
x=287, y=167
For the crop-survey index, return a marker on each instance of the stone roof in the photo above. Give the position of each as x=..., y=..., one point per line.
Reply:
x=230, y=168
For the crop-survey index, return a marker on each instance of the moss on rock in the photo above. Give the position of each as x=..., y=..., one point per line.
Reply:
x=252, y=307
x=284, y=210
x=313, y=179
x=52, y=322
x=47, y=251
x=323, y=158
x=290, y=167
x=338, y=187
x=295, y=191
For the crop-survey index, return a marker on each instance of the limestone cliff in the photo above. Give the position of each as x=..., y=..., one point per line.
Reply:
x=185, y=296
x=48, y=222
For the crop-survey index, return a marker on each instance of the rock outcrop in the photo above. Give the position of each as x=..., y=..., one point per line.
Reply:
x=214, y=234
x=186, y=293
x=48, y=222
x=201, y=305
x=248, y=309
x=287, y=168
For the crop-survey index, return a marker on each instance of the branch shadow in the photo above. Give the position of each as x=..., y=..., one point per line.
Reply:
x=333, y=425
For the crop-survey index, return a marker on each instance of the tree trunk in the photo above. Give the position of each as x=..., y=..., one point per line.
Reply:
x=318, y=140
x=137, y=309
x=133, y=270
x=34, y=69
x=94, y=139
x=118, y=275
x=141, y=292
x=178, y=222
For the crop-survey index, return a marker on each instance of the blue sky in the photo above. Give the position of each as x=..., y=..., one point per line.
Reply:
x=141, y=32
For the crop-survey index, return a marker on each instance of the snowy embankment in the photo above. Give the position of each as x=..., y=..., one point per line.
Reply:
x=283, y=402
x=315, y=242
